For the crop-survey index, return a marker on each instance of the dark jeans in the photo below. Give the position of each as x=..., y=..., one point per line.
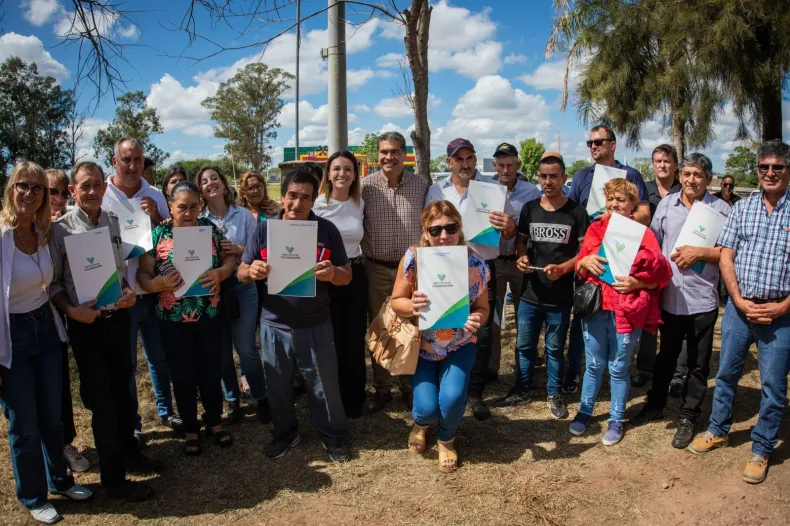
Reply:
x=646, y=358
x=194, y=354
x=67, y=411
x=479, y=375
x=697, y=330
x=575, y=350
x=531, y=319
x=104, y=363
x=31, y=403
x=348, y=311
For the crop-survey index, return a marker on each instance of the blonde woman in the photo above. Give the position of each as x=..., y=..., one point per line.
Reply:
x=254, y=196
x=58, y=183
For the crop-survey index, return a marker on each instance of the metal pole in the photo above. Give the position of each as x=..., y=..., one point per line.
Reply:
x=298, y=43
x=338, y=109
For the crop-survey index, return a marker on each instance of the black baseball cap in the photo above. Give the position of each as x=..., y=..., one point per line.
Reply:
x=456, y=144
x=506, y=149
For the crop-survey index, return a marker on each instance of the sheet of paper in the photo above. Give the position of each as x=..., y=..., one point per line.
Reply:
x=291, y=248
x=93, y=269
x=482, y=198
x=443, y=274
x=192, y=257
x=620, y=246
x=135, y=227
x=596, y=202
x=701, y=229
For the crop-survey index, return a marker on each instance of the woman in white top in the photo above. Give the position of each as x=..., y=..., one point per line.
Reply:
x=30, y=352
x=339, y=201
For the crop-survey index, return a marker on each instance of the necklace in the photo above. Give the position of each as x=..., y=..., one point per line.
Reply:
x=36, y=260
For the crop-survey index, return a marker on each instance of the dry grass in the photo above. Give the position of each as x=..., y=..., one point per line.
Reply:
x=521, y=467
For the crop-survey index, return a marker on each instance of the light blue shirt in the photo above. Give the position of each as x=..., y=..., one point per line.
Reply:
x=522, y=194
x=237, y=225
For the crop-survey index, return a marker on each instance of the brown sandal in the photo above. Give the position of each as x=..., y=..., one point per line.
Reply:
x=417, y=439
x=448, y=458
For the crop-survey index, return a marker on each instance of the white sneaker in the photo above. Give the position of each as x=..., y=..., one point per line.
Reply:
x=46, y=514
x=77, y=492
x=76, y=462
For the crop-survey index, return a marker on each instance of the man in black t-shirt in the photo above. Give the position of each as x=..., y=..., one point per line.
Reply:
x=550, y=231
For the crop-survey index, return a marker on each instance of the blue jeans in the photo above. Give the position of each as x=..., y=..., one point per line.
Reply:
x=531, y=319
x=31, y=403
x=241, y=334
x=773, y=359
x=603, y=346
x=440, y=390
x=143, y=319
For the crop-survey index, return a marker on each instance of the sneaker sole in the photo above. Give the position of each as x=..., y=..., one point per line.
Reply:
x=556, y=417
x=703, y=451
x=333, y=458
x=750, y=480
x=610, y=443
x=290, y=446
x=577, y=433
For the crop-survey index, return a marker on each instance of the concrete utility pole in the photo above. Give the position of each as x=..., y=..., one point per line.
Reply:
x=338, y=105
x=298, y=43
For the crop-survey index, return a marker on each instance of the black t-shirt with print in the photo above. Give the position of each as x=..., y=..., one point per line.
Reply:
x=553, y=238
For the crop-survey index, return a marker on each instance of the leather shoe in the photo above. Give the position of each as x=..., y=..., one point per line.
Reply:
x=131, y=491
x=139, y=464
x=645, y=415
x=676, y=389
x=640, y=380
x=479, y=409
x=174, y=422
x=407, y=398
x=377, y=403
x=684, y=434
x=263, y=411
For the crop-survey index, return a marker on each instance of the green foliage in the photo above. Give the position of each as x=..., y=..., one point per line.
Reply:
x=439, y=164
x=742, y=165
x=370, y=148
x=578, y=164
x=529, y=151
x=34, y=115
x=645, y=167
x=246, y=109
x=133, y=118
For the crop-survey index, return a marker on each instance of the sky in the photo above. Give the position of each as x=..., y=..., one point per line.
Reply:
x=490, y=80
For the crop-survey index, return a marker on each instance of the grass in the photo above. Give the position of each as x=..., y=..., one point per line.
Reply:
x=520, y=467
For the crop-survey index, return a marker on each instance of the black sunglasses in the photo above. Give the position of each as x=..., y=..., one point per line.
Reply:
x=597, y=142
x=23, y=188
x=777, y=168
x=54, y=191
x=436, y=231
x=726, y=185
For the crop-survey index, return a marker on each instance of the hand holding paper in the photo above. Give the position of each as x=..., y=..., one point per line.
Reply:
x=419, y=301
x=482, y=200
x=701, y=229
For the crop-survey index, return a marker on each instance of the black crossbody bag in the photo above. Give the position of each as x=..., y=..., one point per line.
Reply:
x=587, y=300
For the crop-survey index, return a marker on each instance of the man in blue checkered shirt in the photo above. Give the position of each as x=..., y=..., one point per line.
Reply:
x=755, y=266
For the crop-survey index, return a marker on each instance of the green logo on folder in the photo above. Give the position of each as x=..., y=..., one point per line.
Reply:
x=130, y=221
x=191, y=252
x=619, y=246
x=90, y=260
x=701, y=228
x=289, y=249
x=441, y=276
x=484, y=205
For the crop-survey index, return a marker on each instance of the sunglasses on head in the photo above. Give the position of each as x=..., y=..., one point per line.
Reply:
x=777, y=168
x=597, y=142
x=55, y=192
x=436, y=231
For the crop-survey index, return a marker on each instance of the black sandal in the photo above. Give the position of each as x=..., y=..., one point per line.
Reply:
x=192, y=447
x=221, y=438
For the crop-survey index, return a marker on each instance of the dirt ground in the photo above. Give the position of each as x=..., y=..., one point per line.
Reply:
x=520, y=467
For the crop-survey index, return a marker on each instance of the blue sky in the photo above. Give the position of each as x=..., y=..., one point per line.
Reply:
x=490, y=80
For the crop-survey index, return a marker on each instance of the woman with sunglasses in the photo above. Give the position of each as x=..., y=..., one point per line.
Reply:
x=727, y=192
x=175, y=174
x=31, y=360
x=254, y=196
x=446, y=356
x=59, y=195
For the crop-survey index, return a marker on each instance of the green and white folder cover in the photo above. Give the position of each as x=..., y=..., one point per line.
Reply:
x=135, y=227
x=701, y=229
x=92, y=265
x=596, y=202
x=443, y=274
x=482, y=199
x=291, y=248
x=192, y=257
x=620, y=245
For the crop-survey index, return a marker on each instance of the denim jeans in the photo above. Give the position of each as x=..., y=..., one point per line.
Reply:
x=143, y=319
x=603, y=346
x=32, y=405
x=241, y=334
x=440, y=390
x=531, y=319
x=773, y=359
x=575, y=349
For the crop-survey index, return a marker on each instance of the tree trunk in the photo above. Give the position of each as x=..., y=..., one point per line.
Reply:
x=418, y=21
x=679, y=136
x=771, y=103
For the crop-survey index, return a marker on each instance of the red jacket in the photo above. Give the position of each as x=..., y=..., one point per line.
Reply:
x=634, y=310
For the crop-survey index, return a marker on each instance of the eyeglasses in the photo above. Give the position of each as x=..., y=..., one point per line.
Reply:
x=23, y=188
x=436, y=231
x=55, y=192
x=597, y=142
x=727, y=185
x=777, y=168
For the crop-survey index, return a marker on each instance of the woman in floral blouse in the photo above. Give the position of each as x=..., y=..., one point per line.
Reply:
x=447, y=355
x=191, y=330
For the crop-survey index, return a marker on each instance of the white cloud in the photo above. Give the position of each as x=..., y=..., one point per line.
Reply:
x=307, y=114
x=131, y=32
x=362, y=108
x=356, y=78
x=31, y=49
x=513, y=58
x=391, y=60
x=395, y=30
x=39, y=12
x=89, y=130
x=549, y=76
x=483, y=59
x=458, y=27
x=179, y=107
x=389, y=127
x=199, y=130
x=70, y=25
x=393, y=108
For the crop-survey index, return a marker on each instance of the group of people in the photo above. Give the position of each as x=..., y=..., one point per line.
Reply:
x=368, y=232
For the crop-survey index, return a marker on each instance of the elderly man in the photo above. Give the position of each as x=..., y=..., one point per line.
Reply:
x=127, y=183
x=519, y=192
x=754, y=262
x=102, y=357
x=393, y=206
x=462, y=159
x=689, y=304
x=296, y=332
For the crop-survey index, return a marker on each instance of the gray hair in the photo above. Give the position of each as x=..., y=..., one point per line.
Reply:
x=774, y=148
x=393, y=136
x=117, y=148
x=698, y=160
x=185, y=186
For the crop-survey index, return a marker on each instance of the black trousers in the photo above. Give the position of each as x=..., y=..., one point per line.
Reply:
x=104, y=361
x=479, y=374
x=348, y=310
x=697, y=330
x=69, y=431
x=194, y=353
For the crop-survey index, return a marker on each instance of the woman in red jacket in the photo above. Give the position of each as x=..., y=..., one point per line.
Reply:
x=628, y=307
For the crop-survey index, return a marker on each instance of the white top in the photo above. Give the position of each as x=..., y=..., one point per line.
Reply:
x=114, y=193
x=27, y=294
x=347, y=217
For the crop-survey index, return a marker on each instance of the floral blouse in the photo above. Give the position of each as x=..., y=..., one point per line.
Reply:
x=435, y=345
x=183, y=309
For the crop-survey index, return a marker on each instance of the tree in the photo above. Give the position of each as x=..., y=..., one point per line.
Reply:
x=370, y=148
x=741, y=164
x=246, y=109
x=578, y=164
x=529, y=151
x=645, y=167
x=439, y=164
x=74, y=131
x=133, y=118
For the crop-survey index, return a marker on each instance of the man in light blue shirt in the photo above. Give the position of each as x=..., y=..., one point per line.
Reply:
x=462, y=160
